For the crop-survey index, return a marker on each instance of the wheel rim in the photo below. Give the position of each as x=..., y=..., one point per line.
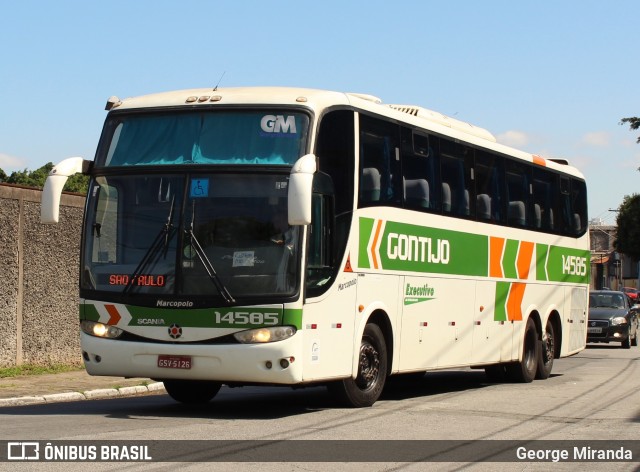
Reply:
x=548, y=347
x=369, y=366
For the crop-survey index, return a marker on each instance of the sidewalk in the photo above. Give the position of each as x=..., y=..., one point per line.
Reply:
x=70, y=386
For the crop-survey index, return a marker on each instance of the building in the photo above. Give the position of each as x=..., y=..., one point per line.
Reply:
x=609, y=269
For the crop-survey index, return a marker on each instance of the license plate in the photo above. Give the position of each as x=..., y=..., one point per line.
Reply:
x=594, y=330
x=174, y=362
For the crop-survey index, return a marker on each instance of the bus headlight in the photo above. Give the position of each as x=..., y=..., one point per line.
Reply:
x=265, y=335
x=100, y=330
x=618, y=320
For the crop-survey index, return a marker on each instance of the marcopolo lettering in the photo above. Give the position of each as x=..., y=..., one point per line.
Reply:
x=174, y=304
x=418, y=249
x=278, y=124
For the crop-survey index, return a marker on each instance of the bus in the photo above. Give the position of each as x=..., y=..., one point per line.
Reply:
x=281, y=236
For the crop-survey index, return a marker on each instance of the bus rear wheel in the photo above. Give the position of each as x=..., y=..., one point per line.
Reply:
x=191, y=392
x=526, y=369
x=547, y=353
x=367, y=387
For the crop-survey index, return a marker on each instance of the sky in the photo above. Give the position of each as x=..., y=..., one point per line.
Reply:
x=552, y=78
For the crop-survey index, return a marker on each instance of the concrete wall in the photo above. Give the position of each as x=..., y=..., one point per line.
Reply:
x=38, y=280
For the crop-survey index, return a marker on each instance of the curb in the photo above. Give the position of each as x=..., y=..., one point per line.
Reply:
x=99, y=394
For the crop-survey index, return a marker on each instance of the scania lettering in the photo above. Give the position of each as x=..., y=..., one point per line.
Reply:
x=280, y=236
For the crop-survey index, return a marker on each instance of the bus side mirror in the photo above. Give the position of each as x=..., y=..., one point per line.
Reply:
x=301, y=190
x=50, y=203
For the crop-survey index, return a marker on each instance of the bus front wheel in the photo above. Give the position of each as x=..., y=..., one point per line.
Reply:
x=367, y=387
x=191, y=392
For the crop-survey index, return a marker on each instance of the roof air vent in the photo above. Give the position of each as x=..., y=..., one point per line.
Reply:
x=439, y=118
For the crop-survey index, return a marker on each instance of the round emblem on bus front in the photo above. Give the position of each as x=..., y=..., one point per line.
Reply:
x=175, y=331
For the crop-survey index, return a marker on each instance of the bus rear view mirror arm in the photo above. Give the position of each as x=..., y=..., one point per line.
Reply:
x=52, y=191
x=301, y=190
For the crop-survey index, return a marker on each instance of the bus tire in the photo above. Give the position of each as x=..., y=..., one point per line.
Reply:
x=547, y=352
x=525, y=371
x=191, y=392
x=367, y=387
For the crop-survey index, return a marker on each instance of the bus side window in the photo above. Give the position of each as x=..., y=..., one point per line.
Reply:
x=518, y=194
x=566, y=216
x=457, y=184
x=420, y=167
x=489, y=176
x=545, y=188
x=579, y=206
x=380, y=177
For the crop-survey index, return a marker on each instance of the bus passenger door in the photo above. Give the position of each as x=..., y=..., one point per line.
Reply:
x=328, y=330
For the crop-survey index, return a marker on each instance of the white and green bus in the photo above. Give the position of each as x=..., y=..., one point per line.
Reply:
x=280, y=236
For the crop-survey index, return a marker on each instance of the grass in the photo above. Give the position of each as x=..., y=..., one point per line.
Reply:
x=30, y=369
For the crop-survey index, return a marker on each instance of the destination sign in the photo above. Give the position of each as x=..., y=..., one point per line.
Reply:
x=141, y=280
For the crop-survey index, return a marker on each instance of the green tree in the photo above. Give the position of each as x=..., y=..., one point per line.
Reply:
x=28, y=178
x=3, y=176
x=628, y=221
x=634, y=123
x=76, y=183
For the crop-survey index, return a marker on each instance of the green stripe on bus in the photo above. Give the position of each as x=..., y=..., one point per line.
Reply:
x=509, y=259
x=366, y=227
x=89, y=312
x=541, y=259
x=292, y=317
x=407, y=247
x=568, y=265
x=502, y=292
x=234, y=317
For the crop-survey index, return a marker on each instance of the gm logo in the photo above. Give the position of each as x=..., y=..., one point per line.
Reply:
x=278, y=124
x=23, y=451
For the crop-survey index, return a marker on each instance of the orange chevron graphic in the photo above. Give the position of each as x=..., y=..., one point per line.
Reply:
x=514, y=301
x=496, y=248
x=114, y=316
x=516, y=290
x=525, y=254
x=375, y=244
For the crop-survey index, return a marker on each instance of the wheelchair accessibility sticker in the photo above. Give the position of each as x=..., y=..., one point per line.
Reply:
x=199, y=188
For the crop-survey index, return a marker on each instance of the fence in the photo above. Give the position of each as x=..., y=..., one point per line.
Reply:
x=38, y=280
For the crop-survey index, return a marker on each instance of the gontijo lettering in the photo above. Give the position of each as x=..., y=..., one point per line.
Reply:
x=418, y=248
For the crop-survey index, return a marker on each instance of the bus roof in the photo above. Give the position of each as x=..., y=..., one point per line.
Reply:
x=318, y=100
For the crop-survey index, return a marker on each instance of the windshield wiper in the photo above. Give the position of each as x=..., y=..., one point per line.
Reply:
x=208, y=266
x=166, y=232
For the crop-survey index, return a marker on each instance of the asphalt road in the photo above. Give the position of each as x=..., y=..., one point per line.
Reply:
x=592, y=396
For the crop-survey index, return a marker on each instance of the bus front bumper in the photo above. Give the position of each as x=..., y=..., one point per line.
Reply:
x=269, y=363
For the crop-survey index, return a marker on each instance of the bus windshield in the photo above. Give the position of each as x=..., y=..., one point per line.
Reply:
x=204, y=137
x=213, y=235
